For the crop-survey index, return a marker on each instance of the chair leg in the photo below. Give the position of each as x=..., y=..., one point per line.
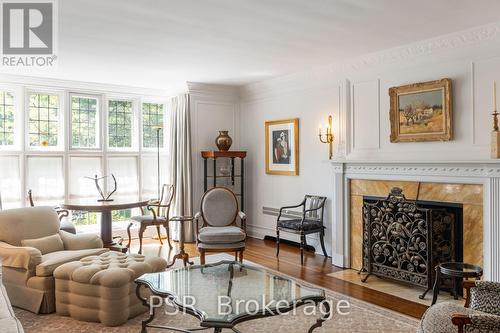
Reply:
x=167, y=228
x=202, y=257
x=302, y=242
x=159, y=233
x=129, y=236
x=241, y=256
x=236, y=256
x=141, y=233
x=322, y=240
x=277, y=243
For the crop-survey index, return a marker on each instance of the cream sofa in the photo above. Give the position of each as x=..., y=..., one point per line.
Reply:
x=32, y=247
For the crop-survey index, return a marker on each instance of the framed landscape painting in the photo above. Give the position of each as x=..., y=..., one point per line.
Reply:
x=421, y=112
x=282, y=147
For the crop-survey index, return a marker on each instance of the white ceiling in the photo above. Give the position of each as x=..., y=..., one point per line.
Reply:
x=163, y=43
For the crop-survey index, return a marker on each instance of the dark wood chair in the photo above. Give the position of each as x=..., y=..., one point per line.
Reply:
x=160, y=212
x=311, y=222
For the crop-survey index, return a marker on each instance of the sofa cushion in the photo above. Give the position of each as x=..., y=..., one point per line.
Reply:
x=27, y=223
x=46, y=244
x=80, y=241
x=216, y=235
x=51, y=261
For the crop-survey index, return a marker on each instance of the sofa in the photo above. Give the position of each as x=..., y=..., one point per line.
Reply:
x=8, y=321
x=32, y=246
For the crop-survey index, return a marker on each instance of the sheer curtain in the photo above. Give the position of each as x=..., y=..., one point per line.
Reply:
x=45, y=177
x=180, y=165
x=10, y=182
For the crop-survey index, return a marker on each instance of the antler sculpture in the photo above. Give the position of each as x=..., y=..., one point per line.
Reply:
x=105, y=197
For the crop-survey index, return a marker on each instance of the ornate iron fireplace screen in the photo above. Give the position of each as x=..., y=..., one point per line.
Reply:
x=404, y=240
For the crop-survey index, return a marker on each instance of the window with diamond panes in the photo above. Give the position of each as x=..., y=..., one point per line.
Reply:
x=6, y=118
x=43, y=120
x=152, y=119
x=120, y=117
x=84, y=125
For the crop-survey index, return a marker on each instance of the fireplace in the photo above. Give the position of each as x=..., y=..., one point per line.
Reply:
x=405, y=239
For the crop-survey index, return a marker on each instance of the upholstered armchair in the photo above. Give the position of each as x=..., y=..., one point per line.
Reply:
x=481, y=313
x=32, y=247
x=61, y=213
x=217, y=227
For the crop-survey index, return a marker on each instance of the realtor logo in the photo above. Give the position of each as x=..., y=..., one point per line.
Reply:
x=28, y=31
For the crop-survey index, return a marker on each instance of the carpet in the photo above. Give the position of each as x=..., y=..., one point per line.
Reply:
x=362, y=317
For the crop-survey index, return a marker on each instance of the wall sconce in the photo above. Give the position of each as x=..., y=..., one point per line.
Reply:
x=327, y=137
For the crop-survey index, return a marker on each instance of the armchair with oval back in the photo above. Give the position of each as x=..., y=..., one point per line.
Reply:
x=217, y=228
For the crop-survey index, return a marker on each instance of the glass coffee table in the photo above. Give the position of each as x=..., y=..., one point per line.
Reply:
x=227, y=293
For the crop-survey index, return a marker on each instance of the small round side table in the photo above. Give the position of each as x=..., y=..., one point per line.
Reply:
x=455, y=270
x=181, y=255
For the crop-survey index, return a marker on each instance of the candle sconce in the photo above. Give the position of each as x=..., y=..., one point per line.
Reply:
x=327, y=137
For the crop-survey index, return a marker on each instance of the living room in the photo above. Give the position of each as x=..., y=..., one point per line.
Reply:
x=249, y=166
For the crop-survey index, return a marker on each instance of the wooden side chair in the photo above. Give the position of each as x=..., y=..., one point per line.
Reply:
x=311, y=222
x=217, y=228
x=160, y=212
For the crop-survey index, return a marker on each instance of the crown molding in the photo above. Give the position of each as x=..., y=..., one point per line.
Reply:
x=209, y=91
x=424, y=50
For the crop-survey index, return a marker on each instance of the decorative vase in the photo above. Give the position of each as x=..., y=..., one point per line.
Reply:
x=223, y=141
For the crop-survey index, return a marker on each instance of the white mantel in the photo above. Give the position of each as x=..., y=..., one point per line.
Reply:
x=486, y=173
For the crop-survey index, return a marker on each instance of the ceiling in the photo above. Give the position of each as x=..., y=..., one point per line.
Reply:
x=164, y=43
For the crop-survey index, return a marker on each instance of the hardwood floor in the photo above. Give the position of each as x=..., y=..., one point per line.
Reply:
x=315, y=270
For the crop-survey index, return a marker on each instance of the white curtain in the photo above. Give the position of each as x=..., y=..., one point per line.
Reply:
x=180, y=167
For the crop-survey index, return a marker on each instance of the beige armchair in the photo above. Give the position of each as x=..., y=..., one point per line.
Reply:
x=32, y=247
x=217, y=228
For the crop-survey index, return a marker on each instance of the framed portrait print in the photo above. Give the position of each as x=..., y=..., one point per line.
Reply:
x=421, y=112
x=282, y=147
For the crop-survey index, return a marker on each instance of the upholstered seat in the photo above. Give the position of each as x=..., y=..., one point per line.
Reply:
x=297, y=224
x=149, y=219
x=221, y=235
x=483, y=315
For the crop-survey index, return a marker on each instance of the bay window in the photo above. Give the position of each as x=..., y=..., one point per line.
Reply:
x=53, y=141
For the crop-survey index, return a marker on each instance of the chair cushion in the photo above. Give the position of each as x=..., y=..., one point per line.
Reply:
x=148, y=219
x=218, y=235
x=51, y=261
x=46, y=244
x=485, y=296
x=297, y=225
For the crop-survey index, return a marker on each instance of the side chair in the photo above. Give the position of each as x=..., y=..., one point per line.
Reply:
x=160, y=212
x=311, y=222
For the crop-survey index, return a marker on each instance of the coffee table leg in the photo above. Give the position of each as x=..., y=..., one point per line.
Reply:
x=323, y=318
x=437, y=282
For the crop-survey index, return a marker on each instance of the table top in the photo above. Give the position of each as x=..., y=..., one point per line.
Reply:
x=212, y=286
x=92, y=205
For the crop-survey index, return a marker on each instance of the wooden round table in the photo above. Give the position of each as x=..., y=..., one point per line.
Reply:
x=105, y=208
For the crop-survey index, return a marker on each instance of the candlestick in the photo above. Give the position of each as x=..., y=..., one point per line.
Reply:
x=494, y=95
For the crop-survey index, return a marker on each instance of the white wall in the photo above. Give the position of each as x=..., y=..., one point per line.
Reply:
x=356, y=94
x=213, y=108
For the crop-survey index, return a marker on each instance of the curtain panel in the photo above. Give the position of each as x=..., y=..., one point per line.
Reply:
x=180, y=173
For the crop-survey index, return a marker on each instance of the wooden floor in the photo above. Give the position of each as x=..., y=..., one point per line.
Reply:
x=315, y=270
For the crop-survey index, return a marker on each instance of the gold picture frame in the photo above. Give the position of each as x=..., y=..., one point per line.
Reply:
x=282, y=147
x=421, y=112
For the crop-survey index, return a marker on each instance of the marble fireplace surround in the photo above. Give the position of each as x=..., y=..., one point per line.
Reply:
x=467, y=183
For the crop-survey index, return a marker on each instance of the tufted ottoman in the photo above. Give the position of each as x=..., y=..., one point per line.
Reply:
x=101, y=288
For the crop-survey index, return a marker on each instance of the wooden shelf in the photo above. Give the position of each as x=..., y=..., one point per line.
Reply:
x=230, y=153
